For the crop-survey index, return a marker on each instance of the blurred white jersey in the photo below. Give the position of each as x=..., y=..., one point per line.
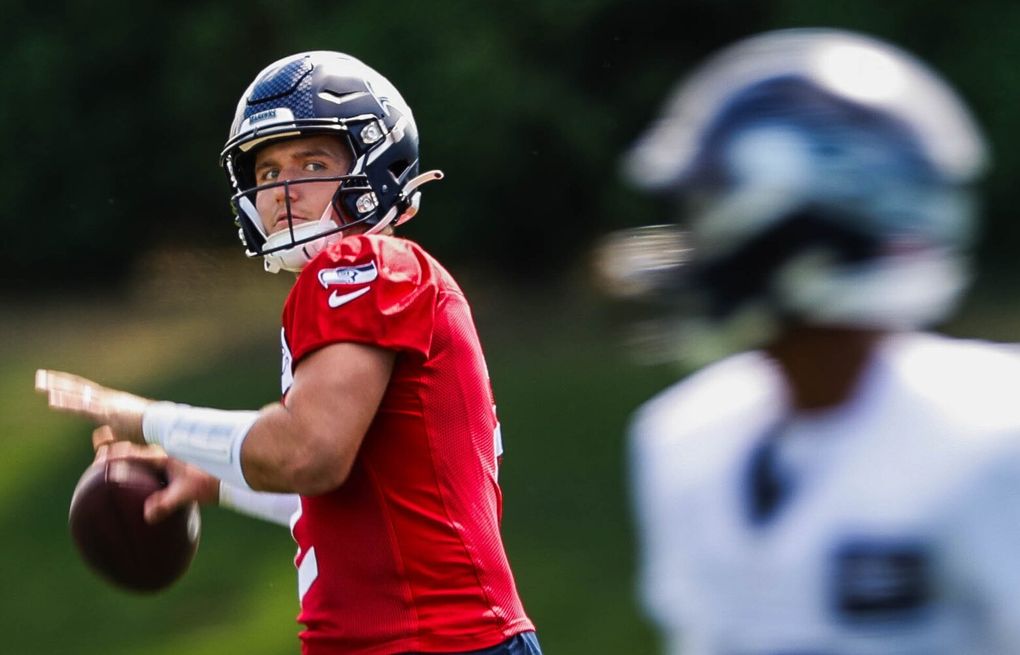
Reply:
x=900, y=529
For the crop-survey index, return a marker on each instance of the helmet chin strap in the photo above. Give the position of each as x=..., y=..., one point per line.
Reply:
x=293, y=259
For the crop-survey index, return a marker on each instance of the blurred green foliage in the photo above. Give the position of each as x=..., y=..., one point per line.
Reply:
x=114, y=113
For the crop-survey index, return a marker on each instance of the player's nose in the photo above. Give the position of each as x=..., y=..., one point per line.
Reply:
x=286, y=189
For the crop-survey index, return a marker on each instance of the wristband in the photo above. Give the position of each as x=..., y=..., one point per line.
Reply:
x=208, y=438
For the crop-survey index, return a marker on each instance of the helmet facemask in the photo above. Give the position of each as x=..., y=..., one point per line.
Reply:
x=302, y=239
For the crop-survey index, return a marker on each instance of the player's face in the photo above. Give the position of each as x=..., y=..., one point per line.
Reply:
x=298, y=159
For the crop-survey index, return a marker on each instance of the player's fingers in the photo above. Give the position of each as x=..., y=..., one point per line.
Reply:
x=72, y=393
x=102, y=437
x=155, y=508
x=149, y=455
x=86, y=401
x=79, y=401
x=163, y=503
x=187, y=485
x=47, y=381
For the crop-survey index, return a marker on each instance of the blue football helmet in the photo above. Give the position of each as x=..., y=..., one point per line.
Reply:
x=823, y=177
x=325, y=92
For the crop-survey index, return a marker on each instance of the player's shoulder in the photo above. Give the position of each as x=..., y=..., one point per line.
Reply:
x=968, y=389
x=736, y=386
x=695, y=431
x=943, y=363
x=388, y=252
x=965, y=380
x=367, y=289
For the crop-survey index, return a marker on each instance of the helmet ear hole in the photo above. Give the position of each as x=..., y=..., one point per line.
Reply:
x=399, y=170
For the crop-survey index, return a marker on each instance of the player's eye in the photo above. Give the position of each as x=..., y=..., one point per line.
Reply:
x=269, y=175
x=315, y=167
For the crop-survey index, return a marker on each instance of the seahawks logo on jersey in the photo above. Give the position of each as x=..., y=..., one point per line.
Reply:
x=348, y=275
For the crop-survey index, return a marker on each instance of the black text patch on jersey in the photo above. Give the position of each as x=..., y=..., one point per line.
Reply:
x=360, y=274
x=881, y=580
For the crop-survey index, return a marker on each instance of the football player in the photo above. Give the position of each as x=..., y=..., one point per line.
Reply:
x=848, y=482
x=382, y=455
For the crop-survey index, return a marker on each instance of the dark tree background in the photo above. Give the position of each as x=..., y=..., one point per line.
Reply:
x=112, y=114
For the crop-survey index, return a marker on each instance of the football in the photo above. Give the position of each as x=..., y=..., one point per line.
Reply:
x=108, y=527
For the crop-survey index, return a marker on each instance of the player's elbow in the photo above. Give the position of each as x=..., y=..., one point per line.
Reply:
x=318, y=471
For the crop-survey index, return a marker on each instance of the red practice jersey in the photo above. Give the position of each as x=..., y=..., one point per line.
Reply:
x=406, y=555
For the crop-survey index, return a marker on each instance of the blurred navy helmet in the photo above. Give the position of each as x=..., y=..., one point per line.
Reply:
x=325, y=92
x=823, y=176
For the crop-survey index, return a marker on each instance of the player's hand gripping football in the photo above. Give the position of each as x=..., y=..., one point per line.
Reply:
x=118, y=413
x=186, y=484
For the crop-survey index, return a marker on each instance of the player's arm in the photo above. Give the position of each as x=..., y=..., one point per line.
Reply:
x=309, y=445
x=306, y=447
x=189, y=484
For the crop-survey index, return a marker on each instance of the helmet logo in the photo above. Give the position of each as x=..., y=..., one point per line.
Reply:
x=371, y=133
x=267, y=117
x=263, y=116
x=366, y=202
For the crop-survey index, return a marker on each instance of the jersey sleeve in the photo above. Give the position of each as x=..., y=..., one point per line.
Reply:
x=372, y=290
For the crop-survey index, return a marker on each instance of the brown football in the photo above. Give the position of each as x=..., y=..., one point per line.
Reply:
x=109, y=529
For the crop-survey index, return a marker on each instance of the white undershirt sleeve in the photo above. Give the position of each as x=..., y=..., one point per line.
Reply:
x=268, y=506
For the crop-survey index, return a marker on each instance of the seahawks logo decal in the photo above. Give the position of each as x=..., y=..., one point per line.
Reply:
x=348, y=275
x=266, y=118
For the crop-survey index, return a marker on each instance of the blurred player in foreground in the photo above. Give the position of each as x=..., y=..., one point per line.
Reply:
x=383, y=454
x=849, y=483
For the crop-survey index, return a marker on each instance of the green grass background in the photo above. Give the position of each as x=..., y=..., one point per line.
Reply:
x=195, y=330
